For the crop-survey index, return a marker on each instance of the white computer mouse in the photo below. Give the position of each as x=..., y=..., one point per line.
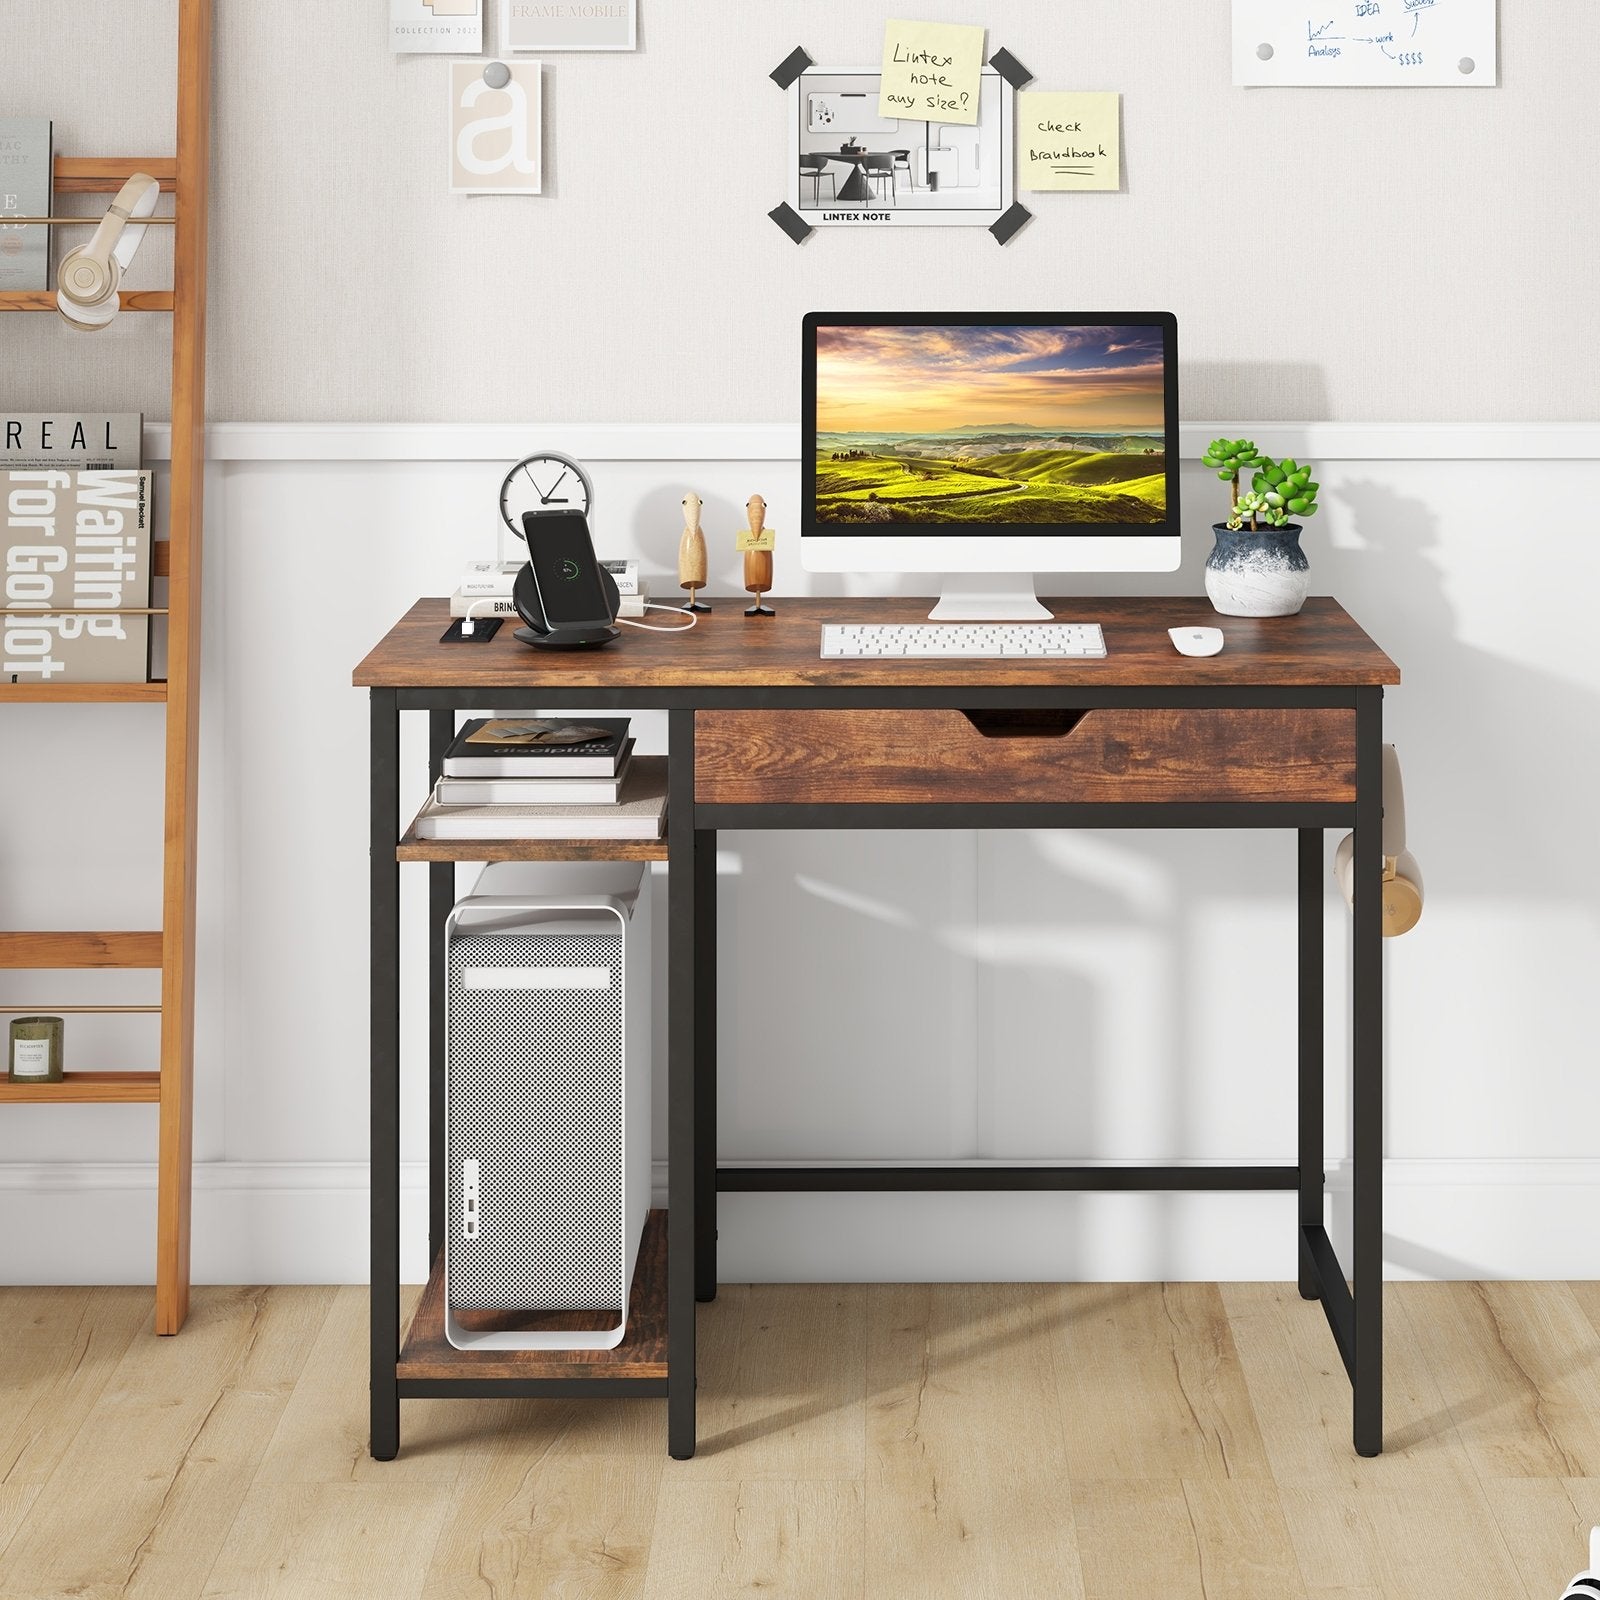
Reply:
x=1195, y=641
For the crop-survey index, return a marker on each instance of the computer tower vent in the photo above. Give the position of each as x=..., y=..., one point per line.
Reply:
x=535, y=1099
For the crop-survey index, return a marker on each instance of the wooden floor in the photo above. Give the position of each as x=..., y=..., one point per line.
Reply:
x=1100, y=1441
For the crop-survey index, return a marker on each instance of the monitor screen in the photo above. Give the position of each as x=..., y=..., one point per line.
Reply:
x=1000, y=424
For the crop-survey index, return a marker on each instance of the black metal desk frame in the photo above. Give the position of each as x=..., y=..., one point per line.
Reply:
x=1356, y=1319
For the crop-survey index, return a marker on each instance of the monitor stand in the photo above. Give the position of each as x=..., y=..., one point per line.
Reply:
x=988, y=597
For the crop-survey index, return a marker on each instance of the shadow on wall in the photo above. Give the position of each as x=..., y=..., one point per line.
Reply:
x=1499, y=757
x=658, y=526
x=846, y=1022
x=1493, y=803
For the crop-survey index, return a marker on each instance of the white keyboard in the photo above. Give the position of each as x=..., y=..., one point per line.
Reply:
x=854, y=641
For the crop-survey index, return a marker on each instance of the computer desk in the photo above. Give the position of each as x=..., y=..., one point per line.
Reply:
x=1282, y=730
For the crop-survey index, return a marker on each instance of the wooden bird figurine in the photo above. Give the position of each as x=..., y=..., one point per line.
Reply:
x=692, y=553
x=758, y=563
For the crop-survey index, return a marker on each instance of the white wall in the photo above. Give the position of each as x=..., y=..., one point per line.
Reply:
x=951, y=995
x=1344, y=256
x=1419, y=255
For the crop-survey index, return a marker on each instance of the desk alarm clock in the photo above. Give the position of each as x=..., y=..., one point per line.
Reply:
x=544, y=481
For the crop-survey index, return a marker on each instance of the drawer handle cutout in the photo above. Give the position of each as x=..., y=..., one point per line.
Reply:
x=1049, y=723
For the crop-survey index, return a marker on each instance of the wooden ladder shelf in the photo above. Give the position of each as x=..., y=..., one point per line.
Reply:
x=171, y=949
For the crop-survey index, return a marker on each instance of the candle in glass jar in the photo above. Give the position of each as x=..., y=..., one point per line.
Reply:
x=35, y=1054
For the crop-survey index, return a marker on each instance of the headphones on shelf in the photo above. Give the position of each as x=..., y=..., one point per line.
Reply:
x=88, y=277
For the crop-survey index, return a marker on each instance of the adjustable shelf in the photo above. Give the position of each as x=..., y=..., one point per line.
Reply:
x=82, y=693
x=48, y=951
x=185, y=178
x=653, y=769
x=430, y=1364
x=411, y=848
x=45, y=300
x=105, y=175
x=152, y=692
x=87, y=1089
x=38, y=951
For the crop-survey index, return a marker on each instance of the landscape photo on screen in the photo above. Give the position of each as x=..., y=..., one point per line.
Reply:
x=991, y=425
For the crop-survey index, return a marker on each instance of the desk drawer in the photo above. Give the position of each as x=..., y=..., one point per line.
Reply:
x=1086, y=758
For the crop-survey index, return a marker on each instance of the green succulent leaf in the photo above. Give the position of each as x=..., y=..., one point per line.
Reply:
x=1279, y=492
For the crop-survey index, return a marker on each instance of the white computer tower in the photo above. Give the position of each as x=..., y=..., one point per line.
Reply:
x=547, y=1098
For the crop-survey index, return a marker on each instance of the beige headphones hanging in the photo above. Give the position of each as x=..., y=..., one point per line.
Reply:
x=1402, y=878
x=88, y=277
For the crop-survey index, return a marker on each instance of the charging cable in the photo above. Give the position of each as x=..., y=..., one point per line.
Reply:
x=468, y=625
x=652, y=627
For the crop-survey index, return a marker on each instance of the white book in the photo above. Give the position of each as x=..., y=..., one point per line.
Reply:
x=553, y=791
x=481, y=605
x=27, y=180
x=639, y=813
x=489, y=577
x=85, y=441
x=626, y=574
x=79, y=540
x=463, y=604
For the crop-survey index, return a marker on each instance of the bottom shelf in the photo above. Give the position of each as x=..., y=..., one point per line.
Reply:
x=87, y=1088
x=428, y=1354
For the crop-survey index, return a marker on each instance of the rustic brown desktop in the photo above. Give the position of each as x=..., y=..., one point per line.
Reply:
x=1282, y=730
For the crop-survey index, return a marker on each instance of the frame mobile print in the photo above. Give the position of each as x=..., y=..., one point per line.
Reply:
x=849, y=167
x=569, y=25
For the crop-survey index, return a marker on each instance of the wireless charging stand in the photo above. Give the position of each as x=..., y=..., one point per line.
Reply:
x=541, y=636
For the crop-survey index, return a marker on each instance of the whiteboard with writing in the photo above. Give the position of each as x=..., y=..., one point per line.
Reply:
x=1392, y=43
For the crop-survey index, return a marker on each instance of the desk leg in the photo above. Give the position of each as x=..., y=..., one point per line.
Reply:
x=705, y=1063
x=441, y=897
x=1312, y=1027
x=1367, y=1075
x=384, y=1439
x=683, y=877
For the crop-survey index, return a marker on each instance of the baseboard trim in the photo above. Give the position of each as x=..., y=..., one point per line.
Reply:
x=306, y=1222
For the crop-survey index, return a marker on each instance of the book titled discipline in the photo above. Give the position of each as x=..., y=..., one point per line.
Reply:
x=80, y=541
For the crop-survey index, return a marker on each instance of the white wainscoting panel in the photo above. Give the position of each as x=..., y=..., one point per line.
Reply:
x=942, y=996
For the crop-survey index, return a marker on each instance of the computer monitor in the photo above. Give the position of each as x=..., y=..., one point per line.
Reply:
x=989, y=447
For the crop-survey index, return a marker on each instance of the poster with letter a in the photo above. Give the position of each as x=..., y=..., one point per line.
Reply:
x=495, y=130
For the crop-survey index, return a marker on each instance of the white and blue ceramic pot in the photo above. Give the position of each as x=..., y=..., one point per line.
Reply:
x=1259, y=572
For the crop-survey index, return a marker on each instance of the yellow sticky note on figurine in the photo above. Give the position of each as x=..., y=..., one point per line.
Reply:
x=931, y=71
x=1069, y=141
x=750, y=539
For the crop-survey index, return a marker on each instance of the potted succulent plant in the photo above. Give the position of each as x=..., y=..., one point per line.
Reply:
x=1257, y=568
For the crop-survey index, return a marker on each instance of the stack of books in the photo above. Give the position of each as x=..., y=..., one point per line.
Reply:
x=546, y=778
x=485, y=589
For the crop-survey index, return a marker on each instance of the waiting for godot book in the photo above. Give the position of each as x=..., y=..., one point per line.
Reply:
x=78, y=541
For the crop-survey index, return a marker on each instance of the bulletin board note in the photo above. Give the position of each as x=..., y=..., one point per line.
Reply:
x=1393, y=43
x=930, y=71
x=1069, y=141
